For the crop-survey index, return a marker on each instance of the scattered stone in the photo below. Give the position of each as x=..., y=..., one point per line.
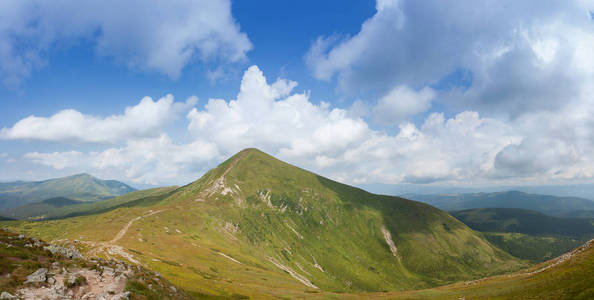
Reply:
x=173, y=289
x=7, y=295
x=71, y=253
x=51, y=280
x=37, y=276
x=21, y=236
x=107, y=271
x=88, y=296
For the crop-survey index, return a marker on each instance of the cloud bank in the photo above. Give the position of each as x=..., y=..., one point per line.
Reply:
x=465, y=149
x=519, y=56
x=161, y=36
x=147, y=118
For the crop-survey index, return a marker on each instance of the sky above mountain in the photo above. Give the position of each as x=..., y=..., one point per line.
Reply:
x=387, y=92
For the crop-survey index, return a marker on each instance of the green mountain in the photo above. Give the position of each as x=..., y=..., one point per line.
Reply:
x=523, y=221
x=550, y=205
x=60, y=207
x=256, y=226
x=81, y=187
x=528, y=234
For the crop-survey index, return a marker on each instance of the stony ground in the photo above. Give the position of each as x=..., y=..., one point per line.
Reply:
x=33, y=269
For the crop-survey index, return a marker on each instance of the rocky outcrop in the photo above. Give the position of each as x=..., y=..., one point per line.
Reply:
x=37, y=276
x=7, y=295
x=71, y=252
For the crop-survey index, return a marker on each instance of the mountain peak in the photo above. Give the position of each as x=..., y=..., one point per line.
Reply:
x=82, y=175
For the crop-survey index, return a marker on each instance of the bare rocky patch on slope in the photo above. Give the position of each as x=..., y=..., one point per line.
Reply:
x=33, y=269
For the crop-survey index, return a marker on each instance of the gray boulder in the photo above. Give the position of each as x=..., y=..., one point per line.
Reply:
x=37, y=276
x=7, y=295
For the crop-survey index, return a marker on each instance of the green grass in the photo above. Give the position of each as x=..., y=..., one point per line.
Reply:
x=57, y=208
x=329, y=233
x=572, y=279
x=533, y=248
x=523, y=221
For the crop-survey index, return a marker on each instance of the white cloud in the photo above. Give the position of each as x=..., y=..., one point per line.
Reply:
x=402, y=102
x=144, y=119
x=466, y=148
x=58, y=160
x=148, y=35
x=148, y=160
x=522, y=57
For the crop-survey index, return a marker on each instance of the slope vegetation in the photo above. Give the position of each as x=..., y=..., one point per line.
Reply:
x=60, y=207
x=523, y=221
x=256, y=226
x=528, y=234
x=81, y=187
x=569, y=276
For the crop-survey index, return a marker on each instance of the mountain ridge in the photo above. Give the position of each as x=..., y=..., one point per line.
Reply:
x=81, y=187
x=547, y=204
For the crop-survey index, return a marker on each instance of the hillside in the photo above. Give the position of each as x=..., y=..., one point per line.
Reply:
x=569, y=276
x=256, y=226
x=33, y=269
x=81, y=187
x=56, y=208
x=550, y=205
x=523, y=221
x=528, y=234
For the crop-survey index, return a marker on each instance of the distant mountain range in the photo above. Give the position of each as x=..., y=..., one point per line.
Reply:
x=550, y=205
x=80, y=187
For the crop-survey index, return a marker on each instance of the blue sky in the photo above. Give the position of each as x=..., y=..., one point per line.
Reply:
x=387, y=92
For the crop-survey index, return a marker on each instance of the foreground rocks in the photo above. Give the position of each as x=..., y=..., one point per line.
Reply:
x=37, y=270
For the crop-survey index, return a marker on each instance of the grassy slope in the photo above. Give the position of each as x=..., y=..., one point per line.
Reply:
x=33, y=210
x=523, y=221
x=82, y=187
x=273, y=211
x=571, y=279
x=533, y=248
x=52, y=209
x=528, y=234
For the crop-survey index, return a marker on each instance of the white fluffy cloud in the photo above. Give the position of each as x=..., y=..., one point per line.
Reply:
x=522, y=56
x=162, y=36
x=144, y=119
x=466, y=148
x=147, y=160
x=402, y=102
x=331, y=141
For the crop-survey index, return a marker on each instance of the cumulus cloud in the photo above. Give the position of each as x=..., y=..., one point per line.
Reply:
x=146, y=35
x=402, y=102
x=336, y=143
x=522, y=57
x=147, y=160
x=466, y=148
x=144, y=119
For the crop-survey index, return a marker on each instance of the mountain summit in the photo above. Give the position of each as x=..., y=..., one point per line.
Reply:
x=257, y=226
